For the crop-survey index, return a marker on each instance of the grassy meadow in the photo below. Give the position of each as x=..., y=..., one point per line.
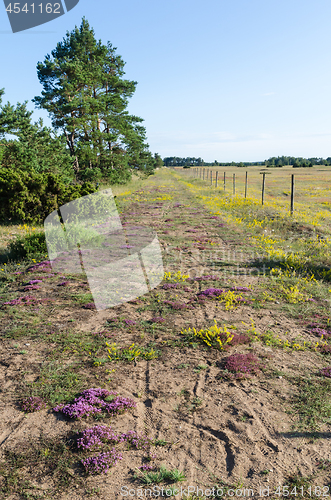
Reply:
x=218, y=378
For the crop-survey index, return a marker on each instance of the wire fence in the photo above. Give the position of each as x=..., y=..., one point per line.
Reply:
x=214, y=177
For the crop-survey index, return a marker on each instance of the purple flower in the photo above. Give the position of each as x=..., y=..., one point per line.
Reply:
x=93, y=401
x=129, y=322
x=90, y=305
x=33, y=403
x=100, y=464
x=177, y=305
x=146, y=467
x=242, y=365
x=158, y=319
x=325, y=349
x=170, y=285
x=32, y=282
x=94, y=437
x=27, y=299
x=203, y=278
x=139, y=441
x=212, y=292
x=40, y=266
x=321, y=331
x=326, y=372
x=112, y=320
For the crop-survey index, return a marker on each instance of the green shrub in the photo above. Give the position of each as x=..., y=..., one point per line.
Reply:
x=28, y=246
x=30, y=197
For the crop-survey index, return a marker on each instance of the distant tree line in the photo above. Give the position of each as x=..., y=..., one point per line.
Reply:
x=280, y=161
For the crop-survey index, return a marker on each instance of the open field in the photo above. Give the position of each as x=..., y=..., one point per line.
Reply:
x=224, y=368
x=312, y=185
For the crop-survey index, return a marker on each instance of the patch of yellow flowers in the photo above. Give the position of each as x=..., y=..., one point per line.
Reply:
x=230, y=299
x=210, y=336
x=175, y=277
x=272, y=340
x=129, y=354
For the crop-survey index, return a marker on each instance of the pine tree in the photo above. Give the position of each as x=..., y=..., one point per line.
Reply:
x=36, y=148
x=86, y=97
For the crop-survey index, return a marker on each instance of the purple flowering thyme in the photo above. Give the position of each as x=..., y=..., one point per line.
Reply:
x=157, y=319
x=326, y=372
x=100, y=464
x=95, y=437
x=90, y=305
x=212, y=292
x=92, y=401
x=242, y=365
x=33, y=403
x=321, y=332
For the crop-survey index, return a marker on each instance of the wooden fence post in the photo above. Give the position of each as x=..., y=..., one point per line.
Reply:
x=216, y=179
x=211, y=177
x=203, y=175
x=224, y=181
x=292, y=194
x=263, y=186
x=246, y=185
x=234, y=183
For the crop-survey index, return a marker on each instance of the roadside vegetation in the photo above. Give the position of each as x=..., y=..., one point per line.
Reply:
x=240, y=322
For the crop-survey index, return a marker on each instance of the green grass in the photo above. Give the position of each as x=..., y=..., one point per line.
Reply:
x=52, y=459
x=163, y=475
x=56, y=383
x=304, y=486
x=312, y=403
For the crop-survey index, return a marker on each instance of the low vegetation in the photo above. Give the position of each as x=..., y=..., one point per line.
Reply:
x=218, y=377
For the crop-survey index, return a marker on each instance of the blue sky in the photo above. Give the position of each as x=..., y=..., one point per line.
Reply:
x=226, y=80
